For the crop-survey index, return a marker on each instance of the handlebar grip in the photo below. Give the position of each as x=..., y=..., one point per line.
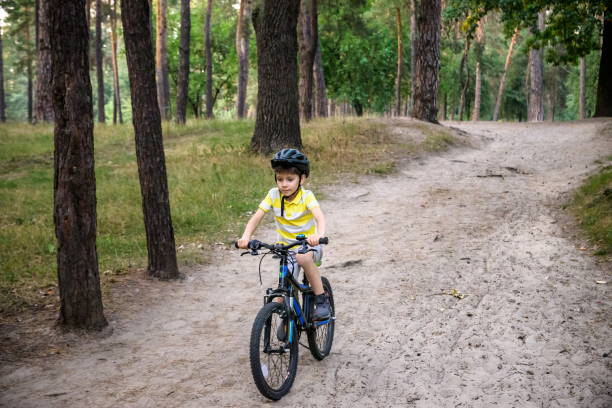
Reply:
x=324, y=240
x=254, y=245
x=236, y=244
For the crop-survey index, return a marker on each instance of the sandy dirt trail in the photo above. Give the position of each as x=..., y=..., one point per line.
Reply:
x=534, y=329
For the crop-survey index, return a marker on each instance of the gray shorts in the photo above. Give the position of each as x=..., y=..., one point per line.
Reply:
x=294, y=268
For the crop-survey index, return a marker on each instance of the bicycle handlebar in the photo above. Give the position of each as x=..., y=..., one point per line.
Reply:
x=254, y=244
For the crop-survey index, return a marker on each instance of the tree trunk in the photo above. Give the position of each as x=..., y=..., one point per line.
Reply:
x=243, y=33
x=277, y=124
x=2, y=99
x=427, y=64
x=413, y=41
x=149, y=143
x=43, y=111
x=464, y=79
x=604, y=82
x=535, y=112
x=87, y=16
x=358, y=108
x=582, y=82
x=183, y=75
x=99, y=57
x=161, y=59
x=398, y=77
x=319, y=84
x=29, y=74
x=308, y=41
x=36, y=23
x=552, y=94
x=480, y=43
x=444, y=105
x=30, y=90
x=74, y=180
x=117, y=111
x=208, y=52
x=502, y=81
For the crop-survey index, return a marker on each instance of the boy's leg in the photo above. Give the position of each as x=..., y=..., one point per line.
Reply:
x=311, y=271
x=322, y=306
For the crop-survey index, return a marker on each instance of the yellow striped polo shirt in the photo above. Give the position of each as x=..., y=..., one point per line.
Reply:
x=297, y=218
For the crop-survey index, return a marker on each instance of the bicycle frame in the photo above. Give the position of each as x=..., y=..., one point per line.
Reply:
x=287, y=285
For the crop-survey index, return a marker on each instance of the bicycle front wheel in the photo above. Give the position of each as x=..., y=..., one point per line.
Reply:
x=321, y=336
x=273, y=351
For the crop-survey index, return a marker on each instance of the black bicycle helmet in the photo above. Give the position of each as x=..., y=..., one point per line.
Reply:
x=291, y=158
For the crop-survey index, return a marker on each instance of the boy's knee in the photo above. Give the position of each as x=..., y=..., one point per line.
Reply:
x=304, y=259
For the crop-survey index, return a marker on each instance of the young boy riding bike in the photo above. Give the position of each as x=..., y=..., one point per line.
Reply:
x=296, y=211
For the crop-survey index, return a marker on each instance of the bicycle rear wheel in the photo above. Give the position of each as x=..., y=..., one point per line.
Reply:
x=273, y=362
x=321, y=337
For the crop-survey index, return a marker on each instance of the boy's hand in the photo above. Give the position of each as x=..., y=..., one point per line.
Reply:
x=243, y=243
x=313, y=240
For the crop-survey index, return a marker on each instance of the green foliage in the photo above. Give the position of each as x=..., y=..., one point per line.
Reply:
x=570, y=110
x=359, y=49
x=572, y=28
x=359, y=55
x=592, y=204
x=18, y=40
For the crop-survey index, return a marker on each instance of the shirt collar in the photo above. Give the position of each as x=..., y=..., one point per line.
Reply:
x=297, y=197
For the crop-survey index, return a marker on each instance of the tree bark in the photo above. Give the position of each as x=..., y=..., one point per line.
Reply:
x=480, y=43
x=464, y=79
x=581, y=85
x=277, y=122
x=413, y=40
x=117, y=111
x=427, y=64
x=2, y=99
x=99, y=58
x=535, y=112
x=502, y=81
x=319, y=84
x=307, y=41
x=209, y=66
x=87, y=15
x=444, y=105
x=183, y=75
x=400, y=63
x=149, y=143
x=604, y=82
x=30, y=90
x=161, y=59
x=74, y=180
x=243, y=33
x=552, y=93
x=43, y=110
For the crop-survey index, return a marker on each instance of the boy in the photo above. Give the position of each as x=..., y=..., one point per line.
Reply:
x=296, y=211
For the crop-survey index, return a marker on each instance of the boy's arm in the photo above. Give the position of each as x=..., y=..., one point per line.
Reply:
x=243, y=242
x=319, y=218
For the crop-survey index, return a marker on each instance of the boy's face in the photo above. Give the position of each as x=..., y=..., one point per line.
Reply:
x=288, y=182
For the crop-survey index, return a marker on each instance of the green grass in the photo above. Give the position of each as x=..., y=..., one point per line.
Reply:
x=214, y=180
x=592, y=205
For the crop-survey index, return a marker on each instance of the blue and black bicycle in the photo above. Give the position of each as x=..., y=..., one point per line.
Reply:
x=277, y=329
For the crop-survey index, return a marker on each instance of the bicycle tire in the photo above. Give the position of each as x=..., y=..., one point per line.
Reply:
x=320, y=338
x=273, y=370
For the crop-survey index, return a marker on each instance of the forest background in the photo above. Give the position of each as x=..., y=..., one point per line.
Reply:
x=363, y=66
x=359, y=49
